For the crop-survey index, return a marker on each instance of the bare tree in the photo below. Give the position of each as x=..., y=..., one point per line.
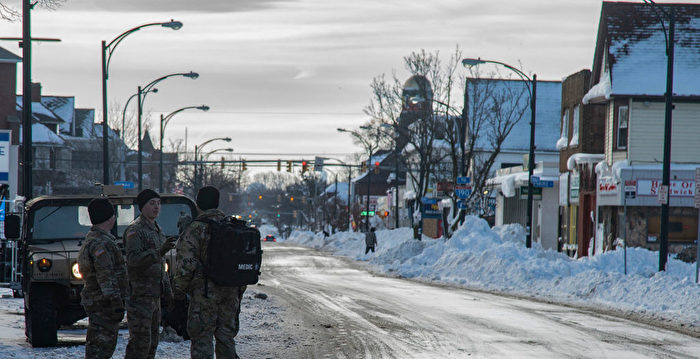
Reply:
x=430, y=141
x=10, y=13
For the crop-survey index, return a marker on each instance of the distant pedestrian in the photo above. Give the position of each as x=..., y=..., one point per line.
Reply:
x=145, y=245
x=370, y=240
x=102, y=265
x=214, y=310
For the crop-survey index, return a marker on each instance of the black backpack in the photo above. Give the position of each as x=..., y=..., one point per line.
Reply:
x=234, y=254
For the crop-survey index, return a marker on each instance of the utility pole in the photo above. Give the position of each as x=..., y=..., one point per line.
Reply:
x=27, y=161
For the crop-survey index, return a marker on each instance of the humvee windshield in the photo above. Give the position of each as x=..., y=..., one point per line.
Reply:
x=73, y=222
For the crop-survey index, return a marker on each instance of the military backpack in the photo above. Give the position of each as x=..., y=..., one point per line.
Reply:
x=234, y=253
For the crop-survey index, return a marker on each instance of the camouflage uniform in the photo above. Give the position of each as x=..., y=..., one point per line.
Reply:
x=211, y=314
x=102, y=266
x=147, y=281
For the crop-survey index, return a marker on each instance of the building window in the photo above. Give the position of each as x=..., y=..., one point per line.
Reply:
x=574, y=127
x=564, y=138
x=622, y=124
x=52, y=159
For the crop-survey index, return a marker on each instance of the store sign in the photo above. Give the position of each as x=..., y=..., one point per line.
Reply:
x=575, y=185
x=5, y=156
x=677, y=188
x=630, y=189
x=607, y=188
x=431, y=208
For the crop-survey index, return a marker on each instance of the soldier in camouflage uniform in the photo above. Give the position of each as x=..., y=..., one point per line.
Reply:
x=214, y=310
x=102, y=266
x=145, y=245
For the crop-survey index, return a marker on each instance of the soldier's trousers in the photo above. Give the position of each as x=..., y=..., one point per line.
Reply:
x=215, y=316
x=103, y=329
x=143, y=317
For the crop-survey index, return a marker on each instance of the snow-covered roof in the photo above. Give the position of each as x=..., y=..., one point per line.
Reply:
x=547, y=119
x=40, y=112
x=508, y=182
x=63, y=107
x=578, y=158
x=42, y=134
x=632, y=43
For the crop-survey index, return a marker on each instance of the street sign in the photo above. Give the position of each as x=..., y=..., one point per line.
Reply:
x=461, y=204
x=697, y=192
x=663, y=194
x=541, y=184
x=463, y=180
x=125, y=184
x=463, y=192
x=536, y=193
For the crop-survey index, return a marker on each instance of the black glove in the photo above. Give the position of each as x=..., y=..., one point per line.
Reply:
x=167, y=245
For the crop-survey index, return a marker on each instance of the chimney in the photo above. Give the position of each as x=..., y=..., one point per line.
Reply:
x=36, y=92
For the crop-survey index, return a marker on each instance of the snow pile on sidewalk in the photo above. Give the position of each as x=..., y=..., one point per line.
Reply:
x=496, y=259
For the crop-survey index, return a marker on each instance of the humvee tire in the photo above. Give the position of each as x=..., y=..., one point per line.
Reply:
x=40, y=317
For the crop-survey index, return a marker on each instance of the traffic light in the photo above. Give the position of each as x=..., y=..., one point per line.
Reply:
x=279, y=165
x=364, y=167
x=243, y=165
x=222, y=162
x=289, y=166
x=259, y=196
x=291, y=199
x=304, y=167
x=376, y=168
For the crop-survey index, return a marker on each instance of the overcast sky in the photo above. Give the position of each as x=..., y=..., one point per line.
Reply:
x=281, y=76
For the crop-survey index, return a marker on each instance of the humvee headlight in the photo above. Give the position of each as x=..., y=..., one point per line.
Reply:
x=166, y=266
x=75, y=270
x=44, y=264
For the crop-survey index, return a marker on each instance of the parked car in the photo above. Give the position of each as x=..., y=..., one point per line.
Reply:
x=269, y=238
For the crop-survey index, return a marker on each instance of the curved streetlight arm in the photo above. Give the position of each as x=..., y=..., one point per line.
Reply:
x=473, y=62
x=145, y=89
x=658, y=8
x=109, y=48
x=227, y=139
x=359, y=137
x=206, y=155
x=154, y=90
x=169, y=116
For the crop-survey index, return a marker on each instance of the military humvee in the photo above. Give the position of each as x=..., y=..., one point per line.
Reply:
x=49, y=234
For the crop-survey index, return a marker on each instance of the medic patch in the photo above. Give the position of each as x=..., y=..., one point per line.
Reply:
x=99, y=252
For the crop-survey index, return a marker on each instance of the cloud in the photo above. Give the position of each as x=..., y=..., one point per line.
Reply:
x=304, y=74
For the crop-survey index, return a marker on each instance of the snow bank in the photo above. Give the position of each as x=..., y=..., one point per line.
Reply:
x=496, y=259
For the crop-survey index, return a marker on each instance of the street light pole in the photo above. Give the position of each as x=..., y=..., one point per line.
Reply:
x=140, y=157
x=145, y=90
x=197, y=149
x=531, y=84
x=27, y=186
x=668, y=119
x=107, y=51
x=164, y=120
x=370, y=149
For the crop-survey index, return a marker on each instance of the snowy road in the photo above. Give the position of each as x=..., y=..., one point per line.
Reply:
x=351, y=313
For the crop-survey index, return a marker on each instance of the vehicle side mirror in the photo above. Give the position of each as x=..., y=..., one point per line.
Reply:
x=12, y=226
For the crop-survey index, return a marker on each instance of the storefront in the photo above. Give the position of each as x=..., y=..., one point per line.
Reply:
x=629, y=207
